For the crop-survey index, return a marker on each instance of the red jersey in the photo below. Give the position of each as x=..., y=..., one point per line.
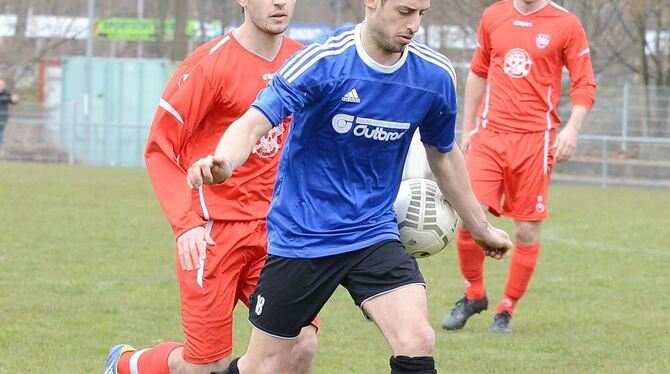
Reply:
x=522, y=57
x=211, y=88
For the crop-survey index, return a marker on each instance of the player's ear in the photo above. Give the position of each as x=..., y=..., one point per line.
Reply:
x=372, y=4
x=242, y=3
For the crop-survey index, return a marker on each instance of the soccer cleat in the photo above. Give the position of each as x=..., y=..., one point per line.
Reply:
x=502, y=323
x=463, y=310
x=111, y=366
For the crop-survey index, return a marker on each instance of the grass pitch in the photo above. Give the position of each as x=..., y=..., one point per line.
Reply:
x=87, y=261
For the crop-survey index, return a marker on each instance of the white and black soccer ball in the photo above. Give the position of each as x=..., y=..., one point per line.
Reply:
x=427, y=224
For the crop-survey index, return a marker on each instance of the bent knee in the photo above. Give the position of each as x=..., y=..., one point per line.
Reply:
x=417, y=342
x=306, y=345
x=528, y=232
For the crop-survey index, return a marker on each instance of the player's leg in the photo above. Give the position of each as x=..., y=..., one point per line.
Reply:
x=526, y=198
x=289, y=295
x=388, y=286
x=485, y=169
x=212, y=292
x=302, y=356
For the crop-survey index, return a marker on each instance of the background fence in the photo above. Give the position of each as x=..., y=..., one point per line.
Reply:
x=625, y=141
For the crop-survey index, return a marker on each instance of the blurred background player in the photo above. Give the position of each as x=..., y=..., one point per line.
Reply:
x=331, y=221
x=511, y=145
x=220, y=230
x=6, y=98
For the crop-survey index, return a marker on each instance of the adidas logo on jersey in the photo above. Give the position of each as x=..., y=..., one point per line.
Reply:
x=351, y=97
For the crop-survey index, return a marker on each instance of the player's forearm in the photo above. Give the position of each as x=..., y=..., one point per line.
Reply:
x=577, y=117
x=452, y=178
x=239, y=139
x=475, y=87
x=174, y=196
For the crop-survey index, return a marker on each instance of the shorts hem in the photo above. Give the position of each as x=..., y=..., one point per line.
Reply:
x=274, y=335
x=384, y=293
x=491, y=207
x=524, y=218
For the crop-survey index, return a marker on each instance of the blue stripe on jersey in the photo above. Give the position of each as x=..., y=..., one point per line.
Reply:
x=436, y=59
x=302, y=56
x=292, y=76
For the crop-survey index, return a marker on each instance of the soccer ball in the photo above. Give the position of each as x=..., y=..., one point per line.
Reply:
x=427, y=224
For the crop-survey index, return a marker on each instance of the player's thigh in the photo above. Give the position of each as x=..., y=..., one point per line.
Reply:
x=208, y=300
x=389, y=287
x=265, y=353
x=248, y=281
x=291, y=292
x=402, y=317
x=528, y=178
x=485, y=163
x=380, y=269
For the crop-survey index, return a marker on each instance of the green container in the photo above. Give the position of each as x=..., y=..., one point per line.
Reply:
x=125, y=95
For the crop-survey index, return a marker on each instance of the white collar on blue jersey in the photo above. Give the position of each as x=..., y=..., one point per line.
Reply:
x=369, y=61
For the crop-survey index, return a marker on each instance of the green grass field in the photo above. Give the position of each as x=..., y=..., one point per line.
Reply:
x=87, y=261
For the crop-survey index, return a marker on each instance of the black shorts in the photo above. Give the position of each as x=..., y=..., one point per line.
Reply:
x=292, y=291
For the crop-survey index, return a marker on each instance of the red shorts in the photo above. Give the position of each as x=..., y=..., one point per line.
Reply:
x=510, y=172
x=208, y=299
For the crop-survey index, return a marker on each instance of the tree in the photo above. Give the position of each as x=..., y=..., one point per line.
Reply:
x=180, y=43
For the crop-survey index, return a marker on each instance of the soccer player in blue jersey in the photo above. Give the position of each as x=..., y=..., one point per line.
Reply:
x=356, y=100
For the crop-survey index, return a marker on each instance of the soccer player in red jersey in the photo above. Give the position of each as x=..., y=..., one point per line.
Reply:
x=220, y=230
x=509, y=134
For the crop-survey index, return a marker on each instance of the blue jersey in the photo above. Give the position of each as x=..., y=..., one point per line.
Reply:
x=353, y=121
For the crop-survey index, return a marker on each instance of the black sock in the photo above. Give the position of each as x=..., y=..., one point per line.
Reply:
x=232, y=368
x=412, y=365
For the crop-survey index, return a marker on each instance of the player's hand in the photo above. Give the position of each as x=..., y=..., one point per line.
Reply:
x=465, y=141
x=208, y=170
x=494, y=241
x=566, y=144
x=192, y=246
x=15, y=98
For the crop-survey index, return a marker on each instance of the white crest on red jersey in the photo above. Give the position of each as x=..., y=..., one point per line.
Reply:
x=270, y=143
x=542, y=40
x=517, y=63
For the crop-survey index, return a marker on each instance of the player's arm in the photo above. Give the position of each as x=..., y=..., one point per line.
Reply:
x=475, y=87
x=277, y=101
x=577, y=57
x=451, y=177
x=447, y=164
x=182, y=107
x=475, y=84
x=232, y=151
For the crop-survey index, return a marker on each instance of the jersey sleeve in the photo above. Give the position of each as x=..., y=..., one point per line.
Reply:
x=577, y=57
x=185, y=102
x=481, y=60
x=291, y=89
x=439, y=126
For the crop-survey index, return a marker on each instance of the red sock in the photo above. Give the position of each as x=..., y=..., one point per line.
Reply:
x=471, y=259
x=149, y=361
x=524, y=260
